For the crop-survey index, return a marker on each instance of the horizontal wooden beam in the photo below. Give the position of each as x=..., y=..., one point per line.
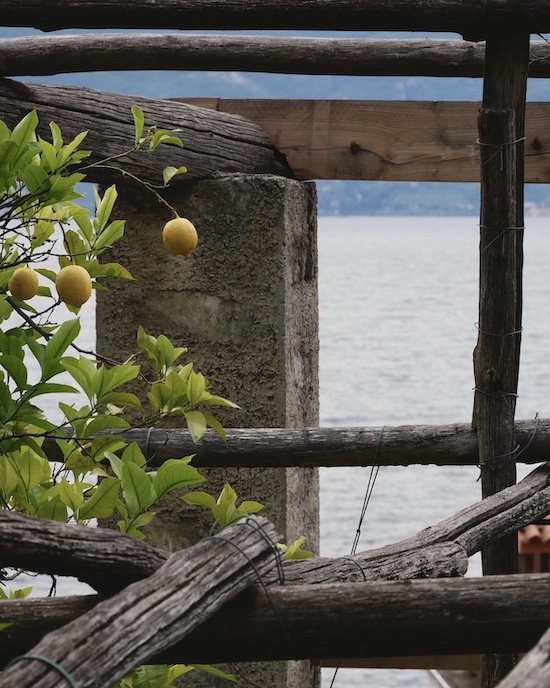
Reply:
x=468, y=17
x=307, y=139
x=41, y=55
x=215, y=142
x=404, y=445
x=347, y=620
x=384, y=140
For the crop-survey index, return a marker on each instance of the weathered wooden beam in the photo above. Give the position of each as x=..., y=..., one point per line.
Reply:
x=462, y=16
x=442, y=550
x=105, y=559
x=118, y=634
x=214, y=142
x=403, y=445
x=384, y=140
x=392, y=141
x=534, y=669
x=41, y=55
x=347, y=620
x=497, y=354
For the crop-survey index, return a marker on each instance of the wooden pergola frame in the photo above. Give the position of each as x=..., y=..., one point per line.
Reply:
x=501, y=138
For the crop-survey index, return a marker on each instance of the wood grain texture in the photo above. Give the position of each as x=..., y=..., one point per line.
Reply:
x=384, y=140
x=463, y=16
x=401, y=445
x=120, y=633
x=104, y=558
x=439, y=551
x=497, y=353
x=352, y=620
x=97, y=555
x=41, y=55
x=534, y=669
x=214, y=142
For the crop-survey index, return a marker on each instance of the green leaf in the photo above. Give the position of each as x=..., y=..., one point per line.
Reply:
x=139, y=122
x=49, y=156
x=200, y=499
x=6, y=402
x=227, y=494
x=34, y=178
x=196, y=386
x=215, y=424
x=67, y=151
x=106, y=380
x=97, y=269
x=51, y=388
x=133, y=454
x=8, y=151
x=110, y=235
x=162, y=137
x=196, y=423
x=251, y=507
x=24, y=131
x=63, y=338
x=62, y=188
x=53, y=510
x=140, y=521
x=137, y=489
x=170, y=172
x=103, y=444
x=74, y=245
x=116, y=464
x=104, y=208
x=29, y=467
x=16, y=369
x=57, y=137
x=213, y=400
x=8, y=476
x=103, y=500
x=104, y=422
x=82, y=370
x=123, y=399
x=207, y=669
x=174, y=474
x=70, y=494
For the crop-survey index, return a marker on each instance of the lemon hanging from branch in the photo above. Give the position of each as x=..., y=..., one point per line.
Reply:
x=74, y=285
x=23, y=283
x=180, y=237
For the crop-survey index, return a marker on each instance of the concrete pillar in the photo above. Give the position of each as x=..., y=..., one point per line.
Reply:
x=245, y=304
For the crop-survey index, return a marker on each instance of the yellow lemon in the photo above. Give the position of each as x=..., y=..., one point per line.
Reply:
x=180, y=237
x=23, y=283
x=74, y=285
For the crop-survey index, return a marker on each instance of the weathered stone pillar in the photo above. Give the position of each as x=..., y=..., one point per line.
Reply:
x=245, y=304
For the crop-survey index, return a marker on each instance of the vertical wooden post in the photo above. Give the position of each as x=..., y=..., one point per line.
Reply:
x=496, y=358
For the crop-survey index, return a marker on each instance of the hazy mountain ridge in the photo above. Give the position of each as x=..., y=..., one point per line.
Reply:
x=339, y=197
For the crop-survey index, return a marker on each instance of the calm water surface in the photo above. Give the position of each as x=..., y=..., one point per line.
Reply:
x=398, y=313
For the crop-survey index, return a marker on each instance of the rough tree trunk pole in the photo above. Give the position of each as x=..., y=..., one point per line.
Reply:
x=496, y=360
x=124, y=631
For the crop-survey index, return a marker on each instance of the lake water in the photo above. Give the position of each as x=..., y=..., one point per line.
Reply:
x=398, y=313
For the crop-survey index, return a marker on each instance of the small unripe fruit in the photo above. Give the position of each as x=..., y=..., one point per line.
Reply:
x=180, y=237
x=74, y=285
x=23, y=284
